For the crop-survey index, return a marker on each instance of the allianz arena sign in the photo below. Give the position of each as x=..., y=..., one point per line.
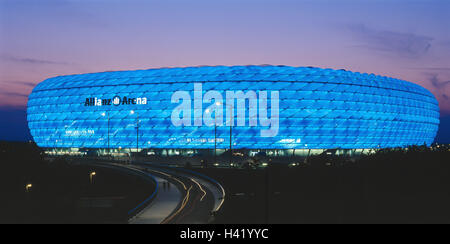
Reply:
x=116, y=101
x=213, y=115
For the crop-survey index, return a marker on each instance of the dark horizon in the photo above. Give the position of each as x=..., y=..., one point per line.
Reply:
x=14, y=126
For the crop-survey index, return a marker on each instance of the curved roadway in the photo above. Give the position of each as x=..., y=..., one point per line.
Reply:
x=183, y=197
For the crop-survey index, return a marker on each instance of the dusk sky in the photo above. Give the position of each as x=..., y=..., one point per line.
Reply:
x=409, y=40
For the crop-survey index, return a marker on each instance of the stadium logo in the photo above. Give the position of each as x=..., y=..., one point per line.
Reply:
x=257, y=109
x=116, y=101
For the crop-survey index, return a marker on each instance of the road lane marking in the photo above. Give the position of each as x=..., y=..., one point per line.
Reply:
x=201, y=188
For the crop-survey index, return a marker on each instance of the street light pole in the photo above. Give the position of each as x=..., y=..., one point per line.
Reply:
x=91, y=176
x=109, y=150
x=137, y=132
x=231, y=126
x=107, y=114
x=137, y=129
x=215, y=139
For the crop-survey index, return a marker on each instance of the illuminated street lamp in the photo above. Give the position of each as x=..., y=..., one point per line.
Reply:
x=91, y=176
x=28, y=187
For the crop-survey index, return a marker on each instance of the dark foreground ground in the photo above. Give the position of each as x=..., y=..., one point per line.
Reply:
x=391, y=186
x=62, y=191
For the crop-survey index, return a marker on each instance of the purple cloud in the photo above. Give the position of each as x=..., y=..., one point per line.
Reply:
x=12, y=58
x=403, y=44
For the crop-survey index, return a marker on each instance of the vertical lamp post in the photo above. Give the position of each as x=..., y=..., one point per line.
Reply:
x=107, y=114
x=137, y=132
x=137, y=129
x=215, y=138
x=91, y=176
x=231, y=131
x=231, y=126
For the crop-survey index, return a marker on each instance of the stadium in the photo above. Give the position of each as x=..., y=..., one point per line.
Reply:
x=276, y=109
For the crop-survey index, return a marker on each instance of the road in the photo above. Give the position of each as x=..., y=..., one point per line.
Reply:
x=165, y=202
x=190, y=199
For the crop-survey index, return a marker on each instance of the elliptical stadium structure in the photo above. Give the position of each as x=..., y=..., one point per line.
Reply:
x=316, y=110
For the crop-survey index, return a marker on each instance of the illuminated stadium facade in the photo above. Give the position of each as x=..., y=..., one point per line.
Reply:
x=253, y=107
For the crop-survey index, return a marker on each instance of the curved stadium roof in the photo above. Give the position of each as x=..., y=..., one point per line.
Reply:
x=230, y=73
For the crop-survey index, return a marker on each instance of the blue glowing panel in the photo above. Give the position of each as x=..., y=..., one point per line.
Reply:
x=265, y=106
